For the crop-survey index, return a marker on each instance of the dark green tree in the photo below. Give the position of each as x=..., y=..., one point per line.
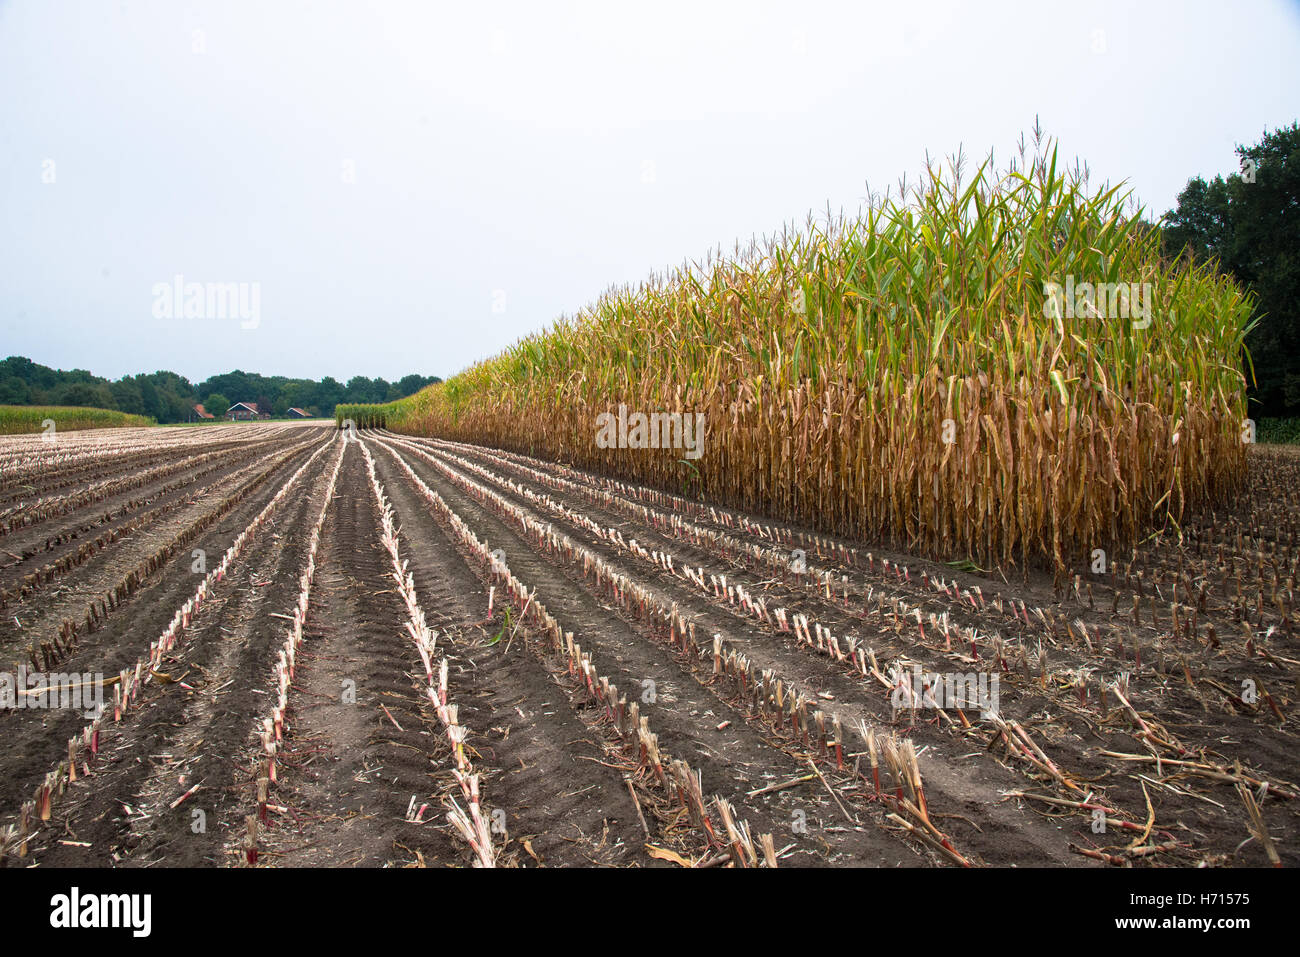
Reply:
x=169, y=397
x=329, y=394
x=126, y=396
x=217, y=404
x=1250, y=222
x=84, y=393
x=14, y=391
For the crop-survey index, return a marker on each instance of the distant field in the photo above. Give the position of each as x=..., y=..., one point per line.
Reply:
x=19, y=419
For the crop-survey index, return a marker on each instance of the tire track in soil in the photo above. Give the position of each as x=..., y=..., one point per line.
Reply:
x=176, y=738
x=34, y=739
x=687, y=716
x=542, y=764
x=1006, y=833
x=346, y=772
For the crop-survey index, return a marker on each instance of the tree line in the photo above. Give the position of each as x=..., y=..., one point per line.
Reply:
x=169, y=397
x=1249, y=221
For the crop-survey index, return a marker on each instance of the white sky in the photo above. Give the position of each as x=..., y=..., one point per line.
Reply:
x=508, y=150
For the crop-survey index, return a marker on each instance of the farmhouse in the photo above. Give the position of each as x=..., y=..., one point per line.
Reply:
x=197, y=412
x=297, y=413
x=245, y=410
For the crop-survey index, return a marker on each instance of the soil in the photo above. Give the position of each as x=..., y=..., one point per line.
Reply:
x=365, y=768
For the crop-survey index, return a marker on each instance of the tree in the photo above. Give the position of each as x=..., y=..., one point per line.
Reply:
x=234, y=384
x=294, y=394
x=177, y=409
x=149, y=397
x=329, y=394
x=1253, y=230
x=1201, y=224
x=169, y=397
x=361, y=389
x=126, y=396
x=13, y=391
x=83, y=393
x=409, y=385
x=35, y=375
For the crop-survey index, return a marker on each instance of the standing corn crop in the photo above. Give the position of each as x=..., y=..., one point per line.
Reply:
x=1003, y=368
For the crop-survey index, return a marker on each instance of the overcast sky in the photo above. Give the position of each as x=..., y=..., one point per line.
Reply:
x=411, y=187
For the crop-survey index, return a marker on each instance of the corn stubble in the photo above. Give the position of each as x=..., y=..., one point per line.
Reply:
x=827, y=360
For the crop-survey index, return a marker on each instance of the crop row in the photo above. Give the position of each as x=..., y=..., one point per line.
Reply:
x=84, y=748
x=623, y=717
x=777, y=703
x=272, y=728
x=53, y=650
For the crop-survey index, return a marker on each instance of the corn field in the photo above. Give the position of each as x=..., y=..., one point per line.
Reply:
x=904, y=375
x=364, y=416
x=19, y=419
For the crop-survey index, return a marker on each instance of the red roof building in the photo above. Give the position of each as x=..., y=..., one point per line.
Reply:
x=245, y=410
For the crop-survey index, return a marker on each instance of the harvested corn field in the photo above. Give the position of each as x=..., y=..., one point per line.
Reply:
x=292, y=645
